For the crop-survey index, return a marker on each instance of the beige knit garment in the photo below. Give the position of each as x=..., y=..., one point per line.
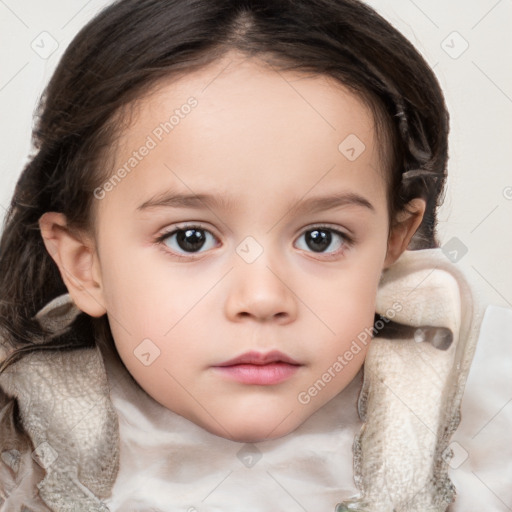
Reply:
x=65, y=408
x=409, y=404
x=410, y=400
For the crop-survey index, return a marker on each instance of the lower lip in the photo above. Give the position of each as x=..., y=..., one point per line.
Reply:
x=261, y=375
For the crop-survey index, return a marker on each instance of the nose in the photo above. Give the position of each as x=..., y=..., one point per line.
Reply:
x=260, y=292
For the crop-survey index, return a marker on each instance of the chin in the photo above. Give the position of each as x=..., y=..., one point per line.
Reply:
x=244, y=432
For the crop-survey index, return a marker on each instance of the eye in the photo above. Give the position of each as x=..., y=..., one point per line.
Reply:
x=189, y=239
x=323, y=239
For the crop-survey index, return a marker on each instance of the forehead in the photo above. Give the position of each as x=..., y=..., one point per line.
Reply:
x=250, y=124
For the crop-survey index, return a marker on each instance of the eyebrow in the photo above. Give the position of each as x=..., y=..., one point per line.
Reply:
x=201, y=201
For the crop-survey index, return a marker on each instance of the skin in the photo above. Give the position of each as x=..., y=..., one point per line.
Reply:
x=268, y=141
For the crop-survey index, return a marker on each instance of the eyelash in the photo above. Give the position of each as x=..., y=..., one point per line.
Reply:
x=347, y=241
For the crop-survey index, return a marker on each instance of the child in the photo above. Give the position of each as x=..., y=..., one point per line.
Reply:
x=221, y=200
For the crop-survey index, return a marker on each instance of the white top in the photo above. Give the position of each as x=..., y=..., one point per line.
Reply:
x=168, y=463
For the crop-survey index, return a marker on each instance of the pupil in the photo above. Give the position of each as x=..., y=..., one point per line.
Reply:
x=190, y=239
x=320, y=240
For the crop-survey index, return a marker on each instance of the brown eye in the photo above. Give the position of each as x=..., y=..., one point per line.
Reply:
x=322, y=240
x=188, y=240
x=318, y=240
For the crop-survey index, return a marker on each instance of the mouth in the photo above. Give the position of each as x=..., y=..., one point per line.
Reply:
x=259, y=369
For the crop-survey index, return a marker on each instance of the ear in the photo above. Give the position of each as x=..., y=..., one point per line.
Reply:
x=76, y=258
x=403, y=229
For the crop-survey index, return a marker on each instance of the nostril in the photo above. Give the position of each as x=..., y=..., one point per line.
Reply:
x=277, y=316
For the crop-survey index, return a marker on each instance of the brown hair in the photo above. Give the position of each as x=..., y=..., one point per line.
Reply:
x=131, y=45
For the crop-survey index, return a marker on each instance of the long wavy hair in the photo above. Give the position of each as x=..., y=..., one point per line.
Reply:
x=133, y=44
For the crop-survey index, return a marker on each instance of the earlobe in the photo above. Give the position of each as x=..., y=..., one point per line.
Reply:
x=78, y=265
x=407, y=222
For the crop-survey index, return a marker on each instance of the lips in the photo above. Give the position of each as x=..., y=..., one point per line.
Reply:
x=259, y=369
x=258, y=358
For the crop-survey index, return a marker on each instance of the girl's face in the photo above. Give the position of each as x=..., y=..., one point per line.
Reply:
x=250, y=217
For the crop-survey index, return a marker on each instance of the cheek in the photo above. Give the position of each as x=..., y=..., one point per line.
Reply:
x=350, y=296
x=151, y=309
x=143, y=297
x=346, y=305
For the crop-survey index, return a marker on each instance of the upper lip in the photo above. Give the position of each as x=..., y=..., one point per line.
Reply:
x=259, y=358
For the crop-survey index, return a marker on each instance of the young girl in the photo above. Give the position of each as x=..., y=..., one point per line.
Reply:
x=220, y=202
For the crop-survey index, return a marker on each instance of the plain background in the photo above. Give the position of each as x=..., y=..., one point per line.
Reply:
x=466, y=42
